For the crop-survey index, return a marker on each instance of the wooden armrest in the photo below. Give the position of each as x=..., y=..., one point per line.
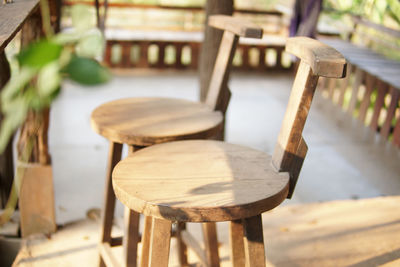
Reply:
x=235, y=25
x=323, y=59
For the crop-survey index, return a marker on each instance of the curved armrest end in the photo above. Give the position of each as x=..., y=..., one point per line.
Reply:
x=324, y=60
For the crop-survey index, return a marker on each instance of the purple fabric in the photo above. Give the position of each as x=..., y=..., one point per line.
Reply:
x=302, y=11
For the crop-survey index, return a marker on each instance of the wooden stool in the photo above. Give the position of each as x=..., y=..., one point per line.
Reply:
x=142, y=122
x=212, y=181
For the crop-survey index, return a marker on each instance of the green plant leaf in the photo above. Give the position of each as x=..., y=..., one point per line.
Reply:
x=49, y=79
x=6, y=132
x=15, y=111
x=67, y=37
x=16, y=83
x=37, y=102
x=394, y=7
x=81, y=19
x=39, y=54
x=86, y=71
x=91, y=45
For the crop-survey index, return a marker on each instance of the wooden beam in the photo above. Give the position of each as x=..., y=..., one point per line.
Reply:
x=6, y=159
x=13, y=16
x=212, y=38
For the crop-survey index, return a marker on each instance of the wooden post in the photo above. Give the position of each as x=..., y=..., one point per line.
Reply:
x=36, y=201
x=212, y=38
x=6, y=159
x=101, y=15
x=36, y=193
x=55, y=14
x=36, y=124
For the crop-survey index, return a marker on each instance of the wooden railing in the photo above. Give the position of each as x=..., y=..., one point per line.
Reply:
x=184, y=54
x=169, y=7
x=162, y=47
x=373, y=102
x=371, y=90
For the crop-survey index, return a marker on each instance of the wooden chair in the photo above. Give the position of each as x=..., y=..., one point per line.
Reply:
x=213, y=181
x=142, y=122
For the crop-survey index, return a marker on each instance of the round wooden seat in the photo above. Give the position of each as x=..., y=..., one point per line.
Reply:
x=199, y=181
x=148, y=121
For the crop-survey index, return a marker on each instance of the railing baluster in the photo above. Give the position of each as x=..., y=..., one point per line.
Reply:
x=125, y=55
x=161, y=55
x=396, y=132
x=359, y=74
x=245, y=57
x=143, y=61
x=178, y=55
x=195, y=48
x=261, y=58
x=379, y=104
x=344, y=84
x=387, y=126
x=108, y=52
x=278, y=61
x=370, y=85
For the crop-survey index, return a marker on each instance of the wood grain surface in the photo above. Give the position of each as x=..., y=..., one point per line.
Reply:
x=381, y=67
x=36, y=200
x=237, y=26
x=148, y=121
x=324, y=60
x=12, y=17
x=199, y=181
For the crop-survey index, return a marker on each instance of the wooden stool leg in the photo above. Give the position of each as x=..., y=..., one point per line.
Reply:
x=160, y=242
x=211, y=243
x=237, y=245
x=146, y=237
x=182, y=248
x=254, y=242
x=131, y=237
x=114, y=156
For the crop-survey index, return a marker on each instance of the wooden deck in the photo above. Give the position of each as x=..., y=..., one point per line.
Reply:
x=353, y=233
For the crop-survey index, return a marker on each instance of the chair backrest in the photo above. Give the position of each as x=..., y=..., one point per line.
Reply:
x=316, y=59
x=218, y=93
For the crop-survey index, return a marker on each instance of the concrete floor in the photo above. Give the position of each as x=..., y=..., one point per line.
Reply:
x=344, y=161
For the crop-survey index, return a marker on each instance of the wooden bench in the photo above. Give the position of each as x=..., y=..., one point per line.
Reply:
x=371, y=90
